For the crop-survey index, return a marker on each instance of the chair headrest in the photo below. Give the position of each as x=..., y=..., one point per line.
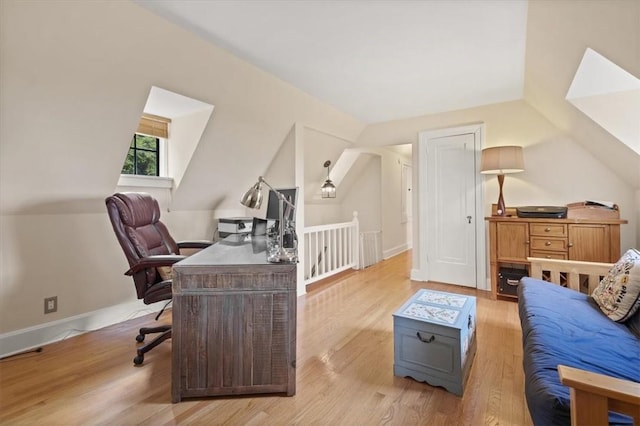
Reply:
x=138, y=208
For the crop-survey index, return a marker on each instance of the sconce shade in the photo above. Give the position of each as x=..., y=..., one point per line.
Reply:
x=328, y=188
x=253, y=197
x=501, y=160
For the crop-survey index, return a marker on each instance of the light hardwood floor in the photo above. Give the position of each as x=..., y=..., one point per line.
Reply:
x=344, y=369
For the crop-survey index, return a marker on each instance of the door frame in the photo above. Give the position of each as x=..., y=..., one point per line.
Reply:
x=420, y=199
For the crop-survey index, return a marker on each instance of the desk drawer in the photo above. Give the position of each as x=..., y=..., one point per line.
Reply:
x=548, y=229
x=548, y=244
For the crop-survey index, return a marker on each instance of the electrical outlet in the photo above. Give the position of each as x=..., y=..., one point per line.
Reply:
x=50, y=304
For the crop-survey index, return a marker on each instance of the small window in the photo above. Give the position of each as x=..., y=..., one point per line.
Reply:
x=143, y=157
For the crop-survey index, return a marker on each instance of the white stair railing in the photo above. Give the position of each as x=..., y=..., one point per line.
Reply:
x=330, y=249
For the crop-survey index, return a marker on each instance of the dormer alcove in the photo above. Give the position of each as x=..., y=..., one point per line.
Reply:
x=188, y=118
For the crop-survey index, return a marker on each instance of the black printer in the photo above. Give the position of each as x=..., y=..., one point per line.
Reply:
x=542, y=212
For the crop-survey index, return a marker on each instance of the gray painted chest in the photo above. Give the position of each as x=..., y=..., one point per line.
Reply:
x=434, y=339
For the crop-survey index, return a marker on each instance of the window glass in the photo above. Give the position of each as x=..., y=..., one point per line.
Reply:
x=143, y=157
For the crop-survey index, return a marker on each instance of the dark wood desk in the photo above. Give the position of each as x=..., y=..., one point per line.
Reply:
x=234, y=322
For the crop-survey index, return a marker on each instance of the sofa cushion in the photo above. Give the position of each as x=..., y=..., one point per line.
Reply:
x=634, y=324
x=618, y=294
x=563, y=326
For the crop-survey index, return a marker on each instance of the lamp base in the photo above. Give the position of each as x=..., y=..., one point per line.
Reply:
x=502, y=209
x=283, y=256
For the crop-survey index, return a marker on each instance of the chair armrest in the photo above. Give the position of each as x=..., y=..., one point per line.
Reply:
x=199, y=244
x=155, y=262
x=593, y=395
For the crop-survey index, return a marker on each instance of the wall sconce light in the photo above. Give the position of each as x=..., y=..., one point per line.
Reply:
x=499, y=161
x=328, y=188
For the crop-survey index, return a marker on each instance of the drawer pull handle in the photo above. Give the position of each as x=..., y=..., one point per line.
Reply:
x=547, y=229
x=548, y=243
x=422, y=339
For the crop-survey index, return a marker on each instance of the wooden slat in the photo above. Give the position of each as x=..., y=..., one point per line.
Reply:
x=572, y=268
x=154, y=125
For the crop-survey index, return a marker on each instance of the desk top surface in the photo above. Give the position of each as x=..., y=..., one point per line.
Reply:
x=236, y=249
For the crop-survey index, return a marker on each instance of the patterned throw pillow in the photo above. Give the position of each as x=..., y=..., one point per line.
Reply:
x=618, y=294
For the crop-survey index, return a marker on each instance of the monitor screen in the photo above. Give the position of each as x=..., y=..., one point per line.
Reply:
x=291, y=194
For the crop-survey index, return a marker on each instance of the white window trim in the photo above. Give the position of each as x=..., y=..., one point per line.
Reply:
x=146, y=181
x=162, y=181
x=164, y=160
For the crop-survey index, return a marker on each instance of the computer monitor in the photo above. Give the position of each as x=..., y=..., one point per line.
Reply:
x=290, y=194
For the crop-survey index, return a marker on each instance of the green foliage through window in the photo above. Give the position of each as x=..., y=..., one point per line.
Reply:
x=143, y=157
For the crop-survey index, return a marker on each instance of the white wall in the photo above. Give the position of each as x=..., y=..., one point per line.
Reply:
x=364, y=194
x=373, y=188
x=558, y=33
x=397, y=236
x=184, y=135
x=557, y=169
x=71, y=97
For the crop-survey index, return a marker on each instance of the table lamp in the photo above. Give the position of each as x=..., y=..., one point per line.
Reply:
x=499, y=161
x=253, y=199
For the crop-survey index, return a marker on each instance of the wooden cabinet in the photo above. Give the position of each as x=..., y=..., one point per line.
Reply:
x=513, y=239
x=593, y=242
x=234, y=324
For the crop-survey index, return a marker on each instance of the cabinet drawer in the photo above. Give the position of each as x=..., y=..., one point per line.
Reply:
x=549, y=255
x=548, y=229
x=548, y=244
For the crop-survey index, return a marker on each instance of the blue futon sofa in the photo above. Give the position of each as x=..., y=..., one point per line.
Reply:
x=563, y=326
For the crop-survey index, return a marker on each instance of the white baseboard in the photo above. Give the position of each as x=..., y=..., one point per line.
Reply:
x=54, y=331
x=386, y=254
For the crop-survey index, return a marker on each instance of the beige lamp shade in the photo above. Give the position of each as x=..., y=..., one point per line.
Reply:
x=501, y=160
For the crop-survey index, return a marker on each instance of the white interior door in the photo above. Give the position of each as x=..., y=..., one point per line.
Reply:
x=452, y=204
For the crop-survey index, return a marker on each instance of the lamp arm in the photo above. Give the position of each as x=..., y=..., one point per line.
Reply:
x=281, y=196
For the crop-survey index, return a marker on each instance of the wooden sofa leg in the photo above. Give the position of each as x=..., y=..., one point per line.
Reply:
x=588, y=408
x=593, y=395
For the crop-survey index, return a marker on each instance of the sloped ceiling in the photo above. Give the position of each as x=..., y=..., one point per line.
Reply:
x=68, y=72
x=558, y=34
x=385, y=60
x=375, y=60
x=74, y=79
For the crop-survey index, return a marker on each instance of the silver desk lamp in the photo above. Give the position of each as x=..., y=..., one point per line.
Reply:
x=253, y=199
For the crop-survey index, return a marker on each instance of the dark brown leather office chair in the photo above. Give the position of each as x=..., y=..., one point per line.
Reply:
x=150, y=250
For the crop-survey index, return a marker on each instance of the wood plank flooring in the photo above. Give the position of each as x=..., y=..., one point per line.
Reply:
x=344, y=369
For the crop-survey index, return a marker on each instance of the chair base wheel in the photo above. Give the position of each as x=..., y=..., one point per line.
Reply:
x=165, y=333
